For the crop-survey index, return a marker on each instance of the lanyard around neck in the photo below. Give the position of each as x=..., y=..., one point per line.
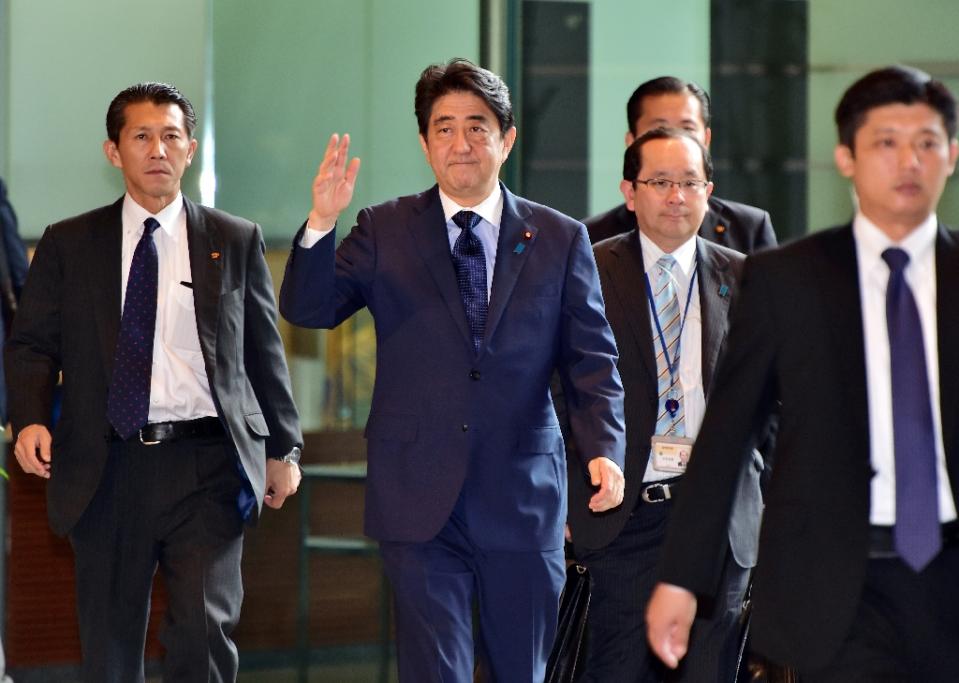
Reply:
x=671, y=365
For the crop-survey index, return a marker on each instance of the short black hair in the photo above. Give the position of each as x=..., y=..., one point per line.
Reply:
x=157, y=93
x=892, y=85
x=664, y=85
x=461, y=75
x=633, y=157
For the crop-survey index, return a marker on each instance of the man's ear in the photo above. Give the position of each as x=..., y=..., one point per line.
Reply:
x=707, y=137
x=191, y=151
x=629, y=193
x=112, y=154
x=509, y=139
x=845, y=161
x=629, y=138
x=425, y=147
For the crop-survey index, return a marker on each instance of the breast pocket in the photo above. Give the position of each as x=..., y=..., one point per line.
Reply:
x=182, y=320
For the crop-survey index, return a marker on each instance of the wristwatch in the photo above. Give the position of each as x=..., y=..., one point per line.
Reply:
x=292, y=457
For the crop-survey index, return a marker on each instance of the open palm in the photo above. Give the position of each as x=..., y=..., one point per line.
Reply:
x=334, y=182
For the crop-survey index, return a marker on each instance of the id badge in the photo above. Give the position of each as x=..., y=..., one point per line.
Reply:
x=671, y=453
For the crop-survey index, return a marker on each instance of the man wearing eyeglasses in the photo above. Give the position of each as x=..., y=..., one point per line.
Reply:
x=672, y=102
x=668, y=294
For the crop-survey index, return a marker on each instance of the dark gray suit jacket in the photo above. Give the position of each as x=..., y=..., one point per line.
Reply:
x=620, y=263
x=69, y=319
x=730, y=224
x=797, y=335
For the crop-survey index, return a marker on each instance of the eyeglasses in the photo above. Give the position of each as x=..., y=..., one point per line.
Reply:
x=663, y=186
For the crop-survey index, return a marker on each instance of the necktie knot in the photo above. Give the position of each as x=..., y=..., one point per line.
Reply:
x=466, y=220
x=897, y=259
x=666, y=262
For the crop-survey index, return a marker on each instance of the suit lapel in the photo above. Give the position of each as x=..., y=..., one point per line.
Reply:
x=206, y=270
x=428, y=229
x=106, y=279
x=947, y=321
x=715, y=283
x=838, y=286
x=627, y=275
x=514, y=230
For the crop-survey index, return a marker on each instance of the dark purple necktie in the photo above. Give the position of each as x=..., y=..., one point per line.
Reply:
x=128, y=402
x=917, y=534
x=469, y=259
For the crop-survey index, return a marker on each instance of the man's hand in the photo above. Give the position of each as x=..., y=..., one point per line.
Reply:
x=282, y=480
x=669, y=616
x=605, y=474
x=30, y=440
x=333, y=185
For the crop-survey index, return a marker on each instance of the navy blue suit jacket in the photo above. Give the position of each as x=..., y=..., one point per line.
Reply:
x=13, y=273
x=447, y=422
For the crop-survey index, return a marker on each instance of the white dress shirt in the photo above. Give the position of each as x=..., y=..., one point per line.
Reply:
x=690, y=341
x=920, y=273
x=179, y=388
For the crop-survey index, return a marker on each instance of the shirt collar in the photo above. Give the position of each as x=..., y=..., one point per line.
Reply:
x=490, y=209
x=685, y=254
x=872, y=241
x=134, y=215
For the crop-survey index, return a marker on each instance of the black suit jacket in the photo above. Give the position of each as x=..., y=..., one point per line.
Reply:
x=730, y=224
x=620, y=263
x=797, y=335
x=69, y=320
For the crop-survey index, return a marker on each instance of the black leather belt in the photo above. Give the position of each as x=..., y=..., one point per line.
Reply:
x=164, y=432
x=660, y=491
x=882, y=542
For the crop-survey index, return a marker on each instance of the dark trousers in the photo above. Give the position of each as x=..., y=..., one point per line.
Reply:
x=906, y=628
x=172, y=506
x=435, y=585
x=623, y=577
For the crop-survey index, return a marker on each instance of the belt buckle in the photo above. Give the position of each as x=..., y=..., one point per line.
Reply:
x=146, y=443
x=667, y=494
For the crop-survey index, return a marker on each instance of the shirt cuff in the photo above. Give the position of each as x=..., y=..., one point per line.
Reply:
x=311, y=236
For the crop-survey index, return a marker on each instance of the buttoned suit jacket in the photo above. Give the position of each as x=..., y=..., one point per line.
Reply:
x=797, y=335
x=448, y=423
x=730, y=224
x=69, y=320
x=621, y=274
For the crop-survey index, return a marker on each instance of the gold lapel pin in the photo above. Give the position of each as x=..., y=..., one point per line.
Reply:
x=214, y=255
x=720, y=229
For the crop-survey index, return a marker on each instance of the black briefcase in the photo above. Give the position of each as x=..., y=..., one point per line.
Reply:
x=571, y=632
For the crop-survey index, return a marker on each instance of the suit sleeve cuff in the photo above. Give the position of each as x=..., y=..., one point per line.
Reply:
x=311, y=236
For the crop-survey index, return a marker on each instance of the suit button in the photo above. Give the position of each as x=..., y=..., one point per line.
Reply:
x=466, y=428
x=475, y=374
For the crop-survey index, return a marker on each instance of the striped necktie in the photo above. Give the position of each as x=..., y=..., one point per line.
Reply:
x=667, y=312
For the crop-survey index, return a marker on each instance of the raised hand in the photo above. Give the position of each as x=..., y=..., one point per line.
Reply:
x=333, y=184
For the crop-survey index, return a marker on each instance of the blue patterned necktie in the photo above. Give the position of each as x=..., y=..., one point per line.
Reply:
x=667, y=311
x=128, y=402
x=469, y=260
x=917, y=534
